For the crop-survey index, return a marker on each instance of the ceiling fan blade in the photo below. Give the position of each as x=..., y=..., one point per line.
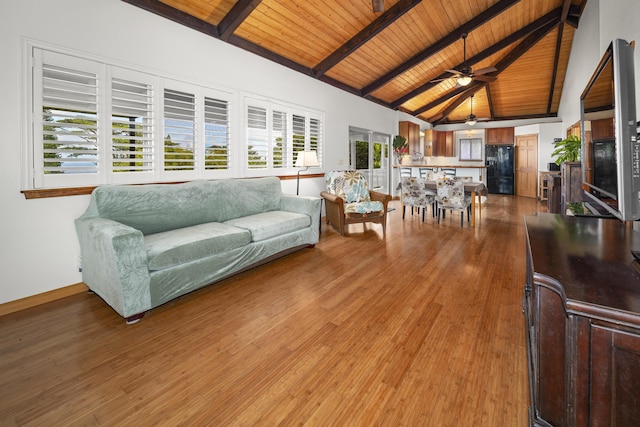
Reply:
x=439, y=80
x=453, y=72
x=484, y=78
x=485, y=70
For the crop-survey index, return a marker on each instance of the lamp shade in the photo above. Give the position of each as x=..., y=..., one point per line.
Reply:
x=307, y=159
x=471, y=122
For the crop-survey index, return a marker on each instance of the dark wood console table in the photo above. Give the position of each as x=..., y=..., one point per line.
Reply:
x=582, y=312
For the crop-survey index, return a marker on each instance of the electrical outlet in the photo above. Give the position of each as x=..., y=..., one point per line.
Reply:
x=340, y=162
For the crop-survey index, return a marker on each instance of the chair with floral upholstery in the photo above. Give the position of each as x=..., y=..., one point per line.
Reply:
x=415, y=194
x=450, y=195
x=348, y=200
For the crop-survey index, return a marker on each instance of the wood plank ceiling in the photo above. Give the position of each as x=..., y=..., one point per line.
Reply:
x=393, y=57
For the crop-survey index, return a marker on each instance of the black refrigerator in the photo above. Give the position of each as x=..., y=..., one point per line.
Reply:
x=500, y=162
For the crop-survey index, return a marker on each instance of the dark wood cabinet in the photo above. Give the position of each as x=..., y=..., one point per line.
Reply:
x=582, y=312
x=571, y=173
x=443, y=143
x=411, y=131
x=554, y=189
x=602, y=129
x=500, y=136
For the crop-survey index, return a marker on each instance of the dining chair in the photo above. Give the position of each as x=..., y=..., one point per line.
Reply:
x=425, y=171
x=405, y=172
x=449, y=172
x=450, y=195
x=415, y=194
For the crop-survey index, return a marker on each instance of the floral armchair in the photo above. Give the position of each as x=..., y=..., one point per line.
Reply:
x=450, y=195
x=348, y=200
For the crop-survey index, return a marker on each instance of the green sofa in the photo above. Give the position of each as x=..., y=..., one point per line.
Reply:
x=143, y=245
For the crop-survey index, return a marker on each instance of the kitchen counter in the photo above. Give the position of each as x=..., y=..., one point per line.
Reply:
x=422, y=165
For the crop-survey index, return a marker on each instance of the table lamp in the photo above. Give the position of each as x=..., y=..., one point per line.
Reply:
x=305, y=160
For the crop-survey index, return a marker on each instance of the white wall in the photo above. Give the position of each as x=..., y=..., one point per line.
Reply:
x=601, y=22
x=39, y=244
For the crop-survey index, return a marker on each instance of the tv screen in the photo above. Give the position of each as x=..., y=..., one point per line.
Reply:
x=610, y=146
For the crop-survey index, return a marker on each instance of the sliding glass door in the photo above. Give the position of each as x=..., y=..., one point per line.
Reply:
x=369, y=153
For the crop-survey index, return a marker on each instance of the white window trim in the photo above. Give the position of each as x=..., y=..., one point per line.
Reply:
x=34, y=179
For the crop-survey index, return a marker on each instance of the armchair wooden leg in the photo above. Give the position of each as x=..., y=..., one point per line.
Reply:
x=403, y=207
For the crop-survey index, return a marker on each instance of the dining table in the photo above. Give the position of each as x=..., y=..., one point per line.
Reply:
x=476, y=189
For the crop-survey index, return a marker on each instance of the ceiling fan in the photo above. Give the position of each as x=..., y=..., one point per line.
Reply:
x=466, y=75
x=472, y=119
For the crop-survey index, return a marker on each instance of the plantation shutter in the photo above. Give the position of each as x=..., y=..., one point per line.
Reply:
x=280, y=140
x=299, y=134
x=179, y=130
x=131, y=125
x=257, y=138
x=217, y=135
x=65, y=118
x=315, y=137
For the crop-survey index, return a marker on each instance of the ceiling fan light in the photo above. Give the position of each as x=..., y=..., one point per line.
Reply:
x=471, y=122
x=464, y=80
x=378, y=5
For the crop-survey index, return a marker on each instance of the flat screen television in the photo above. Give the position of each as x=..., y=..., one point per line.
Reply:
x=610, y=146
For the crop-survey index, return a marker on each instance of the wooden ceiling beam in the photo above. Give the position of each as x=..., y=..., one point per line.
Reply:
x=235, y=17
x=504, y=63
x=369, y=32
x=490, y=102
x=267, y=54
x=450, y=38
x=456, y=103
x=175, y=15
x=551, y=17
x=556, y=62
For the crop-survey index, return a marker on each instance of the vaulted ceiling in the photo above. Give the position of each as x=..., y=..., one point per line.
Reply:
x=517, y=50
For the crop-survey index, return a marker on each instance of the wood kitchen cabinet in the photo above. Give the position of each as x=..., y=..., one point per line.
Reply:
x=582, y=313
x=443, y=144
x=500, y=136
x=411, y=131
x=602, y=129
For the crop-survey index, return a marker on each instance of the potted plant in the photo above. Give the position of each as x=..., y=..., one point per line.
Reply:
x=400, y=147
x=567, y=150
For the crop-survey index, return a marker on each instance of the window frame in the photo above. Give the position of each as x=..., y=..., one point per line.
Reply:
x=471, y=142
x=291, y=111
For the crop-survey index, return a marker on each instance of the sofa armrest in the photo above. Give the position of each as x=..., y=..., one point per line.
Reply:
x=114, y=264
x=305, y=205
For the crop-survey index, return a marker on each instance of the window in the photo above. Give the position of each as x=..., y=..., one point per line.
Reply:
x=97, y=123
x=276, y=133
x=471, y=149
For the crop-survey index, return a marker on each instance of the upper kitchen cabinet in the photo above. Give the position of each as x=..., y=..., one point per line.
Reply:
x=500, y=136
x=411, y=131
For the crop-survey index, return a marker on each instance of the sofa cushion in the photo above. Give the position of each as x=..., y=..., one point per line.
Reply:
x=271, y=224
x=175, y=247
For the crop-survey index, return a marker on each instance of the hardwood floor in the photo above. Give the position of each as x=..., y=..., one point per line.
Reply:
x=423, y=328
